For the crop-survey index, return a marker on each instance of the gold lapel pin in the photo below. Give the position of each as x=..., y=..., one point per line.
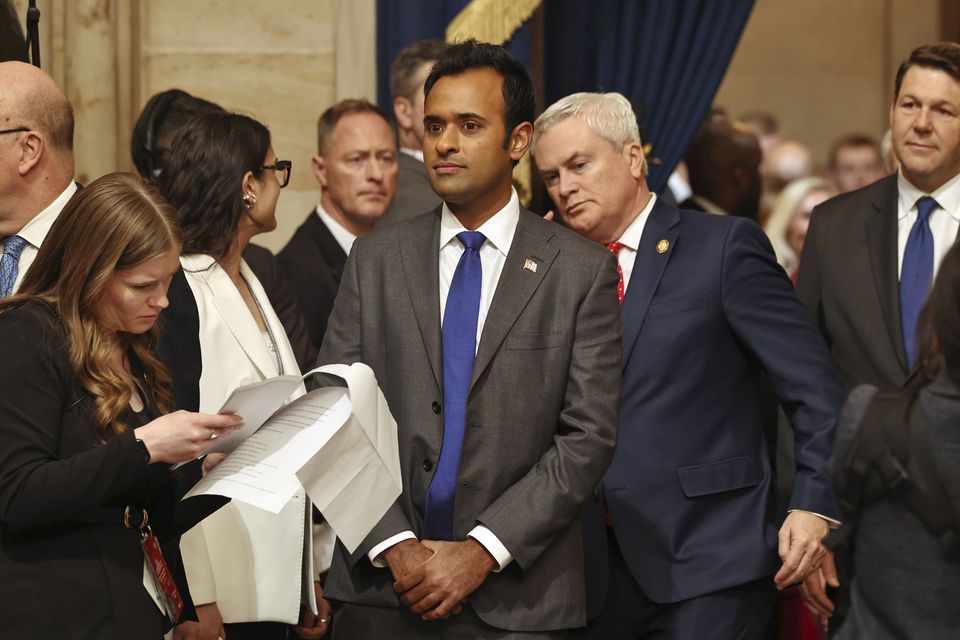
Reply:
x=663, y=245
x=530, y=265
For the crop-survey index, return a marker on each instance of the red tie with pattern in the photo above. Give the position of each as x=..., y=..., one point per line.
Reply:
x=614, y=248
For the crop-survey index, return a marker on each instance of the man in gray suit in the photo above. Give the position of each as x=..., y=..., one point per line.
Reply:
x=407, y=75
x=495, y=336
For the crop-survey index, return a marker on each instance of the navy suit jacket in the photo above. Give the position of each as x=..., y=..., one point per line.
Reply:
x=707, y=315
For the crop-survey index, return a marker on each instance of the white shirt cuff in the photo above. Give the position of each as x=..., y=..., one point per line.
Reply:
x=833, y=523
x=493, y=545
x=374, y=553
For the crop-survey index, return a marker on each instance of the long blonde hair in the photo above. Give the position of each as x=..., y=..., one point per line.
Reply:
x=114, y=224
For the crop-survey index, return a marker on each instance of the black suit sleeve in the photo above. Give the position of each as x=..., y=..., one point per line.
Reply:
x=40, y=409
x=284, y=303
x=808, y=276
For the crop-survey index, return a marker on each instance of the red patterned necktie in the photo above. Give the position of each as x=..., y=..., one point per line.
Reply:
x=614, y=248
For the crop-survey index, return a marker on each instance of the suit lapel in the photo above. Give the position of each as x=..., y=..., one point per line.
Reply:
x=420, y=256
x=232, y=310
x=327, y=245
x=516, y=286
x=881, y=235
x=648, y=270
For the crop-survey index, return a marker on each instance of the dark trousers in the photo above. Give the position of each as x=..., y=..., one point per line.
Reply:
x=356, y=622
x=737, y=613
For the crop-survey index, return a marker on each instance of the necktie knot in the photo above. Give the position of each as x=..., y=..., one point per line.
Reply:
x=614, y=248
x=471, y=239
x=12, y=246
x=925, y=207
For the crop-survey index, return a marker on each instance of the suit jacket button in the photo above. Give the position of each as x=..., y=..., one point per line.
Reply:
x=427, y=465
x=436, y=407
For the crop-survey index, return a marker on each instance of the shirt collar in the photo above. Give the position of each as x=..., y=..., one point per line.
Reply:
x=947, y=196
x=708, y=205
x=36, y=230
x=631, y=235
x=498, y=229
x=413, y=153
x=340, y=233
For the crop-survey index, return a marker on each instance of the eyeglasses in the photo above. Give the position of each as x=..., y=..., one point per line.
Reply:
x=281, y=169
x=16, y=130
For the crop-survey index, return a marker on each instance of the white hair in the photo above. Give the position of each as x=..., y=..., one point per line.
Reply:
x=609, y=115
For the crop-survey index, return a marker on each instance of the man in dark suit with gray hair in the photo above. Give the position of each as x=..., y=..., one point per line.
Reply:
x=495, y=336
x=695, y=538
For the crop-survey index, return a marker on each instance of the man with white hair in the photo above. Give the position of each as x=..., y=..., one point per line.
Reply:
x=692, y=515
x=36, y=165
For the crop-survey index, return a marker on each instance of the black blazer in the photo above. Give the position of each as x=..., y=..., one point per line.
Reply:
x=68, y=567
x=284, y=303
x=848, y=279
x=312, y=262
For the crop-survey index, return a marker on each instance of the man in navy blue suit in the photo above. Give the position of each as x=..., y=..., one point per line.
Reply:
x=695, y=530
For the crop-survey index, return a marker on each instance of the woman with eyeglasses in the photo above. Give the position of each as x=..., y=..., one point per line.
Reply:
x=85, y=450
x=245, y=565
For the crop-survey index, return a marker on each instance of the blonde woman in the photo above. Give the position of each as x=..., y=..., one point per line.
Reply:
x=787, y=225
x=85, y=451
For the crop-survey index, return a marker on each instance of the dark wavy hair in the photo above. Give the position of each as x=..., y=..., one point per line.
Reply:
x=164, y=114
x=203, y=175
x=517, y=88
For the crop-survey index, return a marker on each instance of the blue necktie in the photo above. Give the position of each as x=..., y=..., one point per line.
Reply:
x=459, y=352
x=916, y=274
x=10, y=263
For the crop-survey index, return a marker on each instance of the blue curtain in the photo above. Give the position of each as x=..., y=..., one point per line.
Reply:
x=666, y=56
x=403, y=22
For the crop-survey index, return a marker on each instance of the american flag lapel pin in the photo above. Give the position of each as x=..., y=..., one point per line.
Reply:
x=530, y=265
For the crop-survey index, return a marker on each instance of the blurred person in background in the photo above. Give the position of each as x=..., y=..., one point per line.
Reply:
x=407, y=75
x=855, y=161
x=723, y=162
x=245, y=565
x=787, y=224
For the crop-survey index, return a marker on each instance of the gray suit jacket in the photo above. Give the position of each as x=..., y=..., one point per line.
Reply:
x=848, y=278
x=414, y=193
x=541, y=415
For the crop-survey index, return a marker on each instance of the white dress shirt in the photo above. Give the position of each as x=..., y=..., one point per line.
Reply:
x=499, y=231
x=417, y=154
x=631, y=241
x=340, y=233
x=944, y=220
x=37, y=229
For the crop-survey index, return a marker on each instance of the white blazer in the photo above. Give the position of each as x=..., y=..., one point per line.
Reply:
x=247, y=560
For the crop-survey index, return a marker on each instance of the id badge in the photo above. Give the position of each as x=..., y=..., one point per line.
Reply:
x=162, y=578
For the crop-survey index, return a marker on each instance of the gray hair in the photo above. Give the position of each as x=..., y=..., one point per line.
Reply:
x=609, y=115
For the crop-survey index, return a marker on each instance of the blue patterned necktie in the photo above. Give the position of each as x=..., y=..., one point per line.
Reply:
x=916, y=274
x=10, y=263
x=459, y=352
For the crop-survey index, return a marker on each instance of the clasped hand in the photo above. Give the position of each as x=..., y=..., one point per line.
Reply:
x=435, y=578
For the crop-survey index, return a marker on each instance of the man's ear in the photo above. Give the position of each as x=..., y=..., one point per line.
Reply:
x=31, y=146
x=520, y=140
x=319, y=170
x=633, y=152
x=403, y=111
